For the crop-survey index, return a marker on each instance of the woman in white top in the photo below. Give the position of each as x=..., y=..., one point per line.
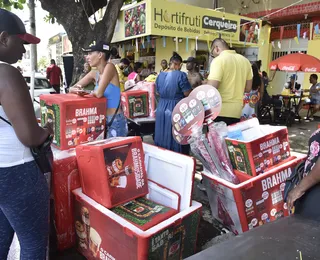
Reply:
x=24, y=194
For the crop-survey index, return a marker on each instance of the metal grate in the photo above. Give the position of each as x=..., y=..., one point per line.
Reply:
x=278, y=54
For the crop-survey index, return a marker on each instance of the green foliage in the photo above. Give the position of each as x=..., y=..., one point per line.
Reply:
x=9, y=4
x=49, y=19
x=43, y=62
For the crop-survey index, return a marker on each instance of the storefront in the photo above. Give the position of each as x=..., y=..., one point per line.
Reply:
x=292, y=29
x=152, y=30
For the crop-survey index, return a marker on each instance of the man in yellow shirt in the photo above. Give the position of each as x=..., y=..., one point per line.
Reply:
x=231, y=74
x=124, y=63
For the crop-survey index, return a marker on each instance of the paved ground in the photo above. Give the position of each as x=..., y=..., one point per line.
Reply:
x=210, y=232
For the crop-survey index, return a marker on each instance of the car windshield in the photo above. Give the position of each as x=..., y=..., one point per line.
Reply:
x=38, y=83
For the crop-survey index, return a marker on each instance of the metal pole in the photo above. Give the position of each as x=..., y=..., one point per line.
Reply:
x=33, y=47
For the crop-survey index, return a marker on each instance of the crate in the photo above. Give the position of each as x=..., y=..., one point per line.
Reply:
x=170, y=183
x=151, y=88
x=65, y=178
x=75, y=119
x=135, y=103
x=112, y=171
x=255, y=201
x=259, y=154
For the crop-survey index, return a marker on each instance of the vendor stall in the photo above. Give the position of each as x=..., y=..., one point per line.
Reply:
x=164, y=26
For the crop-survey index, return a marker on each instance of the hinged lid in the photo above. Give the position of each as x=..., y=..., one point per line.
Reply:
x=172, y=170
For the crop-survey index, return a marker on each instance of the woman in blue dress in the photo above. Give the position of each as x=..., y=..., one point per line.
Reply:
x=172, y=86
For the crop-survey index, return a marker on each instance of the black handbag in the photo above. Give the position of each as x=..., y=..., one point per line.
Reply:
x=42, y=154
x=294, y=179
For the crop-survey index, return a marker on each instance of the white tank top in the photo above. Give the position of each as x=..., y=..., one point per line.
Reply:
x=12, y=151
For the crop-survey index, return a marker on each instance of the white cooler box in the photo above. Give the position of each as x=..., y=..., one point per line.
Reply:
x=102, y=234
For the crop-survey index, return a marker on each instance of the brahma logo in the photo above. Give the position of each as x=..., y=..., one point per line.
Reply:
x=289, y=68
x=214, y=23
x=276, y=179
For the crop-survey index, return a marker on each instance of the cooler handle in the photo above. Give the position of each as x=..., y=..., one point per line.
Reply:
x=128, y=232
x=249, y=186
x=178, y=222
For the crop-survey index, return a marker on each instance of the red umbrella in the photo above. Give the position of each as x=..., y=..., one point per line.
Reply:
x=296, y=62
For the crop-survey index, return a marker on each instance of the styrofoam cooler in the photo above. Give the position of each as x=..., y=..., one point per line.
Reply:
x=268, y=146
x=75, y=119
x=135, y=103
x=255, y=201
x=102, y=234
x=65, y=178
x=151, y=88
x=112, y=171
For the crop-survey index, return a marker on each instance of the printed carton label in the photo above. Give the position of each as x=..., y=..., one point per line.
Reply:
x=140, y=211
x=99, y=237
x=267, y=199
x=126, y=171
x=265, y=154
x=75, y=124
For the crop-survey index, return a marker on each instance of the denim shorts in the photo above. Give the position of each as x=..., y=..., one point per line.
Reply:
x=119, y=127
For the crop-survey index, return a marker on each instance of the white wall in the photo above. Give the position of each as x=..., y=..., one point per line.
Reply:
x=287, y=46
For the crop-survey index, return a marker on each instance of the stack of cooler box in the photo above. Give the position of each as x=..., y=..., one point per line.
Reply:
x=75, y=120
x=135, y=201
x=262, y=164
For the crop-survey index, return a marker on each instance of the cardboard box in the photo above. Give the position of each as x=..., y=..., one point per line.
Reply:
x=144, y=213
x=255, y=201
x=112, y=171
x=174, y=238
x=65, y=178
x=259, y=154
x=75, y=119
x=135, y=103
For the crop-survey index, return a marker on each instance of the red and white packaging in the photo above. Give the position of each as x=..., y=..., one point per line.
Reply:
x=102, y=234
x=151, y=88
x=75, y=119
x=255, y=201
x=65, y=178
x=112, y=171
x=266, y=147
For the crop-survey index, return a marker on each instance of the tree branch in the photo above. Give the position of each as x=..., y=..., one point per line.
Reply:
x=109, y=19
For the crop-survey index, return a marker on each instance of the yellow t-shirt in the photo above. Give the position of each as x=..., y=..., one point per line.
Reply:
x=121, y=77
x=232, y=70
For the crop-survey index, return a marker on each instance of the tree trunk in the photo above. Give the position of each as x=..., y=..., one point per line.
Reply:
x=73, y=18
x=32, y=19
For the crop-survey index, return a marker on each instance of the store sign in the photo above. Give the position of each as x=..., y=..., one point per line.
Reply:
x=174, y=19
x=214, y=23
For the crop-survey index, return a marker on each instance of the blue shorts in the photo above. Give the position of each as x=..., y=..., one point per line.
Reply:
x=119, y=127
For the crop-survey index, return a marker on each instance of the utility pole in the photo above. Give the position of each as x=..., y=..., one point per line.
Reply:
x=32, y=23
x=33, y=47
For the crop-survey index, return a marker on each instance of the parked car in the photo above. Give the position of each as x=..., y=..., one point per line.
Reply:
x=41, y=86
